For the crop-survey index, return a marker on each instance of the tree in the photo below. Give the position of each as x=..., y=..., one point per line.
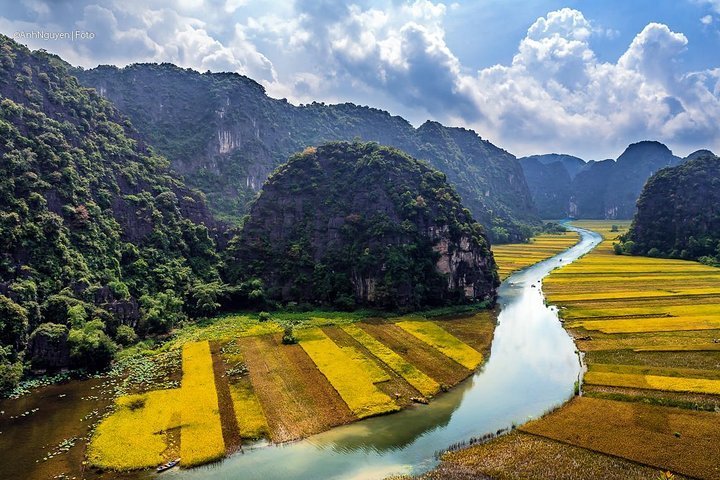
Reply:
x=90, y=347
x=13, y=323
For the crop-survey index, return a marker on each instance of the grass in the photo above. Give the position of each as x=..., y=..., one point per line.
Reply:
x=674, y=439
x=512, y=257
x=134, y=436
x=421, y=382
x=201, y=439
x=346, y=374
x=435, y=336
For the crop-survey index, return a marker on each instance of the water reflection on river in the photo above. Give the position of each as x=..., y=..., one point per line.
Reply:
x=532, y=368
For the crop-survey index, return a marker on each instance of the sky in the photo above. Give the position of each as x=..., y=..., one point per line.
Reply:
x=580, y=77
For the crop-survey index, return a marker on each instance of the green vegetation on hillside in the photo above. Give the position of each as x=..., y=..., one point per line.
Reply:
x=225, y=136
x=95, y=233
x=678, y=214
x=360, y=224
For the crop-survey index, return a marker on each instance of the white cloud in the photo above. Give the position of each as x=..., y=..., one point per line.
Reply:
x=706, y=20
x=554, y=94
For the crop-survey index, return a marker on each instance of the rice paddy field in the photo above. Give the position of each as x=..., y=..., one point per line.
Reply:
x=649, y=329
x=516, y=256
x=239, y=383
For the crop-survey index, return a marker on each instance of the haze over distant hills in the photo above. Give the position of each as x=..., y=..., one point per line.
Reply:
x=563, y=185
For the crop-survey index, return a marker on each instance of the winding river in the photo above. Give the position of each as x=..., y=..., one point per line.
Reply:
x=533, y=367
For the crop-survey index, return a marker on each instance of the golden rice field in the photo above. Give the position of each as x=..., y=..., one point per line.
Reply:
x=650, y=330
x=201, y=439
x=423, y=383
x=435, y=336
x=516, y=256
x=347, y=374
x=627, y=307
x=237, y=385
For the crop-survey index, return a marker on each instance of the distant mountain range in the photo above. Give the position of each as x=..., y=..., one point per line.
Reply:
x=566, y=186
x=224, y=135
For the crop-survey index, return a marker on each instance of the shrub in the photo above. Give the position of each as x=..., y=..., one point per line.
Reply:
x=289, y=336
x=90, y=347
x=10, y=372
x=125, y=335
x=264, y=316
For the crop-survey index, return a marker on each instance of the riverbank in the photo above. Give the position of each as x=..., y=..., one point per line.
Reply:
x=285, y=392
x=645, y=327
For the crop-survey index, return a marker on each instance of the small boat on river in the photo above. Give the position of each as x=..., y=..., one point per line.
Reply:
x=168, y=465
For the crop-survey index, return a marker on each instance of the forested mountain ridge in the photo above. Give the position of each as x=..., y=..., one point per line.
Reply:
x=678, y=213
x=357, y=224
x=225, y=136
x=99, y=239
x=561, y=186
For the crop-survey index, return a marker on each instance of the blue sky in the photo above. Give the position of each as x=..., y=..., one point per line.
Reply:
x=579, y=77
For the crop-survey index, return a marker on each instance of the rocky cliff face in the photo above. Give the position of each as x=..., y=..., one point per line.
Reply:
x=225, y=136
x=360, y=224
x=562, y=185
x=678, y=213
x=92, y=220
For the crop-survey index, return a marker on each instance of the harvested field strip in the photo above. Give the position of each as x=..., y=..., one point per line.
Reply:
x=520, y=455
x=201, y=436
x=231, y=434
x=434, y=335
x=476, y=330
x=251, y=420
x=654, y=382
x=639, y=432
x=134, y=436
x=418, y=353
x=349, y=376
x=699, y=347
x=397, y=387
x=296, y=398
x=663, y=324
x=422, y=383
